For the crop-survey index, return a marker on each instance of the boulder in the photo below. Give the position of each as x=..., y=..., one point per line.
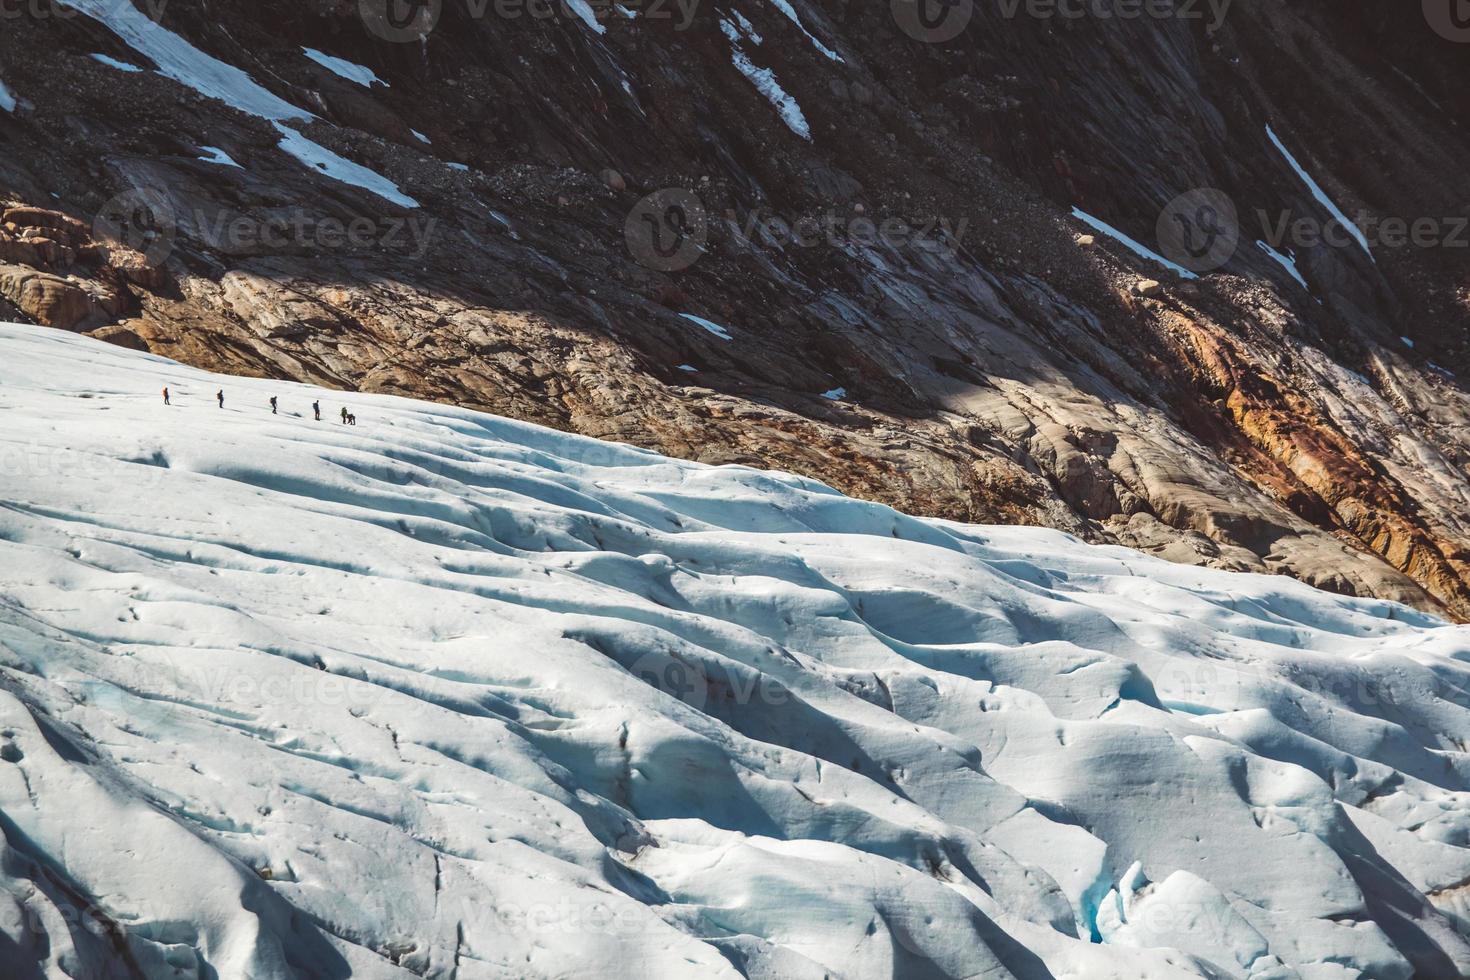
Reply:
x=47, y=299
x=18, y=251
x=133, y=267
x=52, y=252
x=122, y=336
x=61, y=226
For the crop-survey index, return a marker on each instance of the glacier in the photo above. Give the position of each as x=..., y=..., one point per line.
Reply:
x=447, y=695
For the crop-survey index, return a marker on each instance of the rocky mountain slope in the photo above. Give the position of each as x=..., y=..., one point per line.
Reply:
x=936, y=255
x=450, y=696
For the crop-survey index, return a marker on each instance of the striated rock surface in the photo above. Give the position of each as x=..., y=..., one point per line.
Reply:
x=902, y=257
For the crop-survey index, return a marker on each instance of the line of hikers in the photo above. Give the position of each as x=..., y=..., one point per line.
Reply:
x=316, y=407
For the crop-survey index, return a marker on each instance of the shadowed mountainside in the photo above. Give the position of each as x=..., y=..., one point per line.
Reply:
x=874, y=223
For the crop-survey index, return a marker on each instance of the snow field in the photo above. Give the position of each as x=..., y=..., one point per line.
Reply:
x=447, y=695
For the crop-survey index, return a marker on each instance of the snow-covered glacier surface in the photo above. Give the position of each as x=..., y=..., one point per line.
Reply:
x=445, y=695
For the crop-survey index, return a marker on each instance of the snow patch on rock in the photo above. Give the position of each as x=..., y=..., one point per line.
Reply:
x=1320, y=195
x=764, y=80
x=343, y=68
x=709, y=325
x=176, y=58
x=213, y=154
x=322, y=160
x=1130, y=244
x=785, y=7
x=1286, y=262
x=112, y=62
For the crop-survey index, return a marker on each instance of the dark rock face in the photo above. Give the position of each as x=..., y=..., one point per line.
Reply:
x=870, y=214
